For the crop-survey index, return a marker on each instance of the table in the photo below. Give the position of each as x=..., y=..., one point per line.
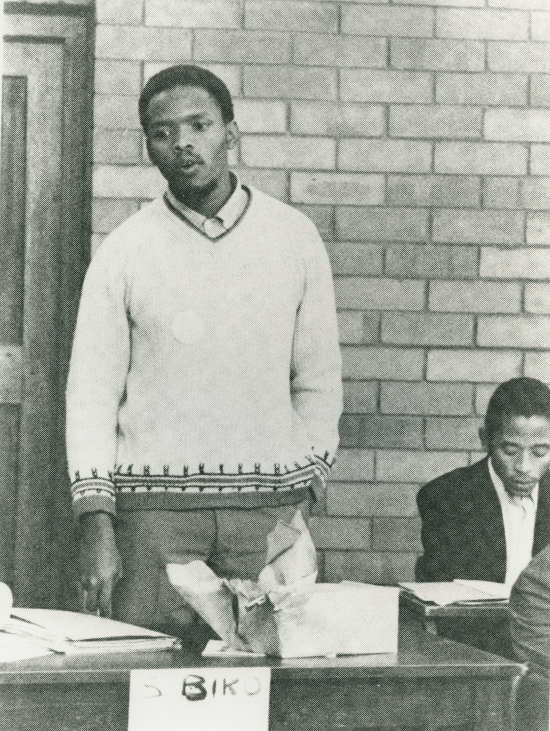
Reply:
x=429, y=683
x=484, y=625
x=429, y=614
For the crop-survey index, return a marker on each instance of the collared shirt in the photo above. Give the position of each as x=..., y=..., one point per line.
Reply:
x=225, y=218
x=518, y=514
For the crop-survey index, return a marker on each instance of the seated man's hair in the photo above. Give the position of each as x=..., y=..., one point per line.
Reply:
x=186, y=75
x=517, y=397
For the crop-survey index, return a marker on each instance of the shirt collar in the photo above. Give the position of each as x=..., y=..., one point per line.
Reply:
x=501, y=490
x=228, y=214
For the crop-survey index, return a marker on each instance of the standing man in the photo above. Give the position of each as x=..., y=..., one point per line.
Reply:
x=205, y=383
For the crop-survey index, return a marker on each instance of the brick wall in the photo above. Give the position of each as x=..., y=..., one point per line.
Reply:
x=416, y=133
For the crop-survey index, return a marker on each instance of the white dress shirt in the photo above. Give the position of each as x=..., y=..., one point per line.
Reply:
x=225, y=218
x=518, y=514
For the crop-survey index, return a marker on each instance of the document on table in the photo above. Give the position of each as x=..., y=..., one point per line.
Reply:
x=219, y=648
x=77, y=632
x=459, y=591
x=13, y=648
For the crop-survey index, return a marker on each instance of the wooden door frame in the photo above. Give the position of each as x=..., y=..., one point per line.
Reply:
x=71, y=26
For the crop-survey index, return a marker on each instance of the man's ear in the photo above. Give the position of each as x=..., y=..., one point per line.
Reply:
x=483, y=438
x=232, y=134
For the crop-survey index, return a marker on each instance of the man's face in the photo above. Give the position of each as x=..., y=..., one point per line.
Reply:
x=188, y=140
x=520, y=453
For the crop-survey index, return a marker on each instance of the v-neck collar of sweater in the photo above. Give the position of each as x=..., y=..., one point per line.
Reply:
x=172, y=208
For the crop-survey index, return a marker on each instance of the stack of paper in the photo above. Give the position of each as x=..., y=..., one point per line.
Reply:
x=13, y=648
x=76, y=632
x=459, y=591
x=219, y=648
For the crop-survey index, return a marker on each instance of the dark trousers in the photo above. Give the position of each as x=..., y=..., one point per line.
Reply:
x=231, y=541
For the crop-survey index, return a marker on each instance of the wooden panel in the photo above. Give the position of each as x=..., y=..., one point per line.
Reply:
x=12, y=208
x=9, y=455
x=51, y=52
x=364, y=704
x=10, y=374
x=12, y=256
x=86, y=707
x=34, y=556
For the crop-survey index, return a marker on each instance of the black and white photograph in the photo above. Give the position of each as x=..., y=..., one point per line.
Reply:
x=275, y=365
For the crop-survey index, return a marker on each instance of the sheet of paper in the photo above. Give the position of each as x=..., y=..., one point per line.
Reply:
x=493, y=589
x=79, y=626
x=218, y=648
x=75, y=632
x=446, y=592
x=6, y=602
x=13, y=648
x=201, y=699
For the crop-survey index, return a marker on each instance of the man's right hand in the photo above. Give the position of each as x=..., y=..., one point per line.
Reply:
x=99, y=559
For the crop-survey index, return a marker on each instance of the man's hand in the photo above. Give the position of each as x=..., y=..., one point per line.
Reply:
x=100, y=565
x=318, y=489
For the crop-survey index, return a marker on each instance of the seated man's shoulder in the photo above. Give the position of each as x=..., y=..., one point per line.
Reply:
x=455, y=494
x=457, y=480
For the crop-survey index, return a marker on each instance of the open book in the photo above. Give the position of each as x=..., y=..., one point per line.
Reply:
x=459, y=591
x=76, y=632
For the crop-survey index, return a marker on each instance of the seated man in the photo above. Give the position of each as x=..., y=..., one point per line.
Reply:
x=530, y=612
x=487, y=520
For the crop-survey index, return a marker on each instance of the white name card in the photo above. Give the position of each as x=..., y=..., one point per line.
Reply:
x=199, y=699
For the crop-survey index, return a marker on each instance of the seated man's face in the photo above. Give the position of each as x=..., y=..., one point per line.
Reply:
x=520, y=453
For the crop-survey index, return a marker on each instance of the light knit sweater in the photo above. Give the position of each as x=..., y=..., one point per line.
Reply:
x=204, y=373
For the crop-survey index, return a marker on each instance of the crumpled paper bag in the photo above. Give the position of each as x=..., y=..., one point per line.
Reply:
x=208, y=595
x=285, y=613
x=291, y=557
x=238, y=610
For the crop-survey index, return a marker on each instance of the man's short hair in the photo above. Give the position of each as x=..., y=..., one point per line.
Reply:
x=517, y=397
x=186, y=75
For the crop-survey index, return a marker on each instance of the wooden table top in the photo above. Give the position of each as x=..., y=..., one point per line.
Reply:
x=420, y=655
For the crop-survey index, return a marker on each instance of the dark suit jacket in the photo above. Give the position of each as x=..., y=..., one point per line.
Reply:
x=462, y=526
x=530, y=611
